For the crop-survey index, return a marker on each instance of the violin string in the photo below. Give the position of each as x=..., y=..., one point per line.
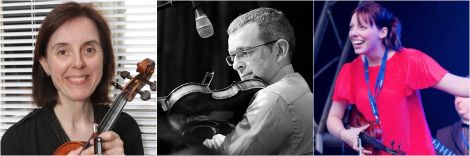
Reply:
x=119, y=98
x=113, y=110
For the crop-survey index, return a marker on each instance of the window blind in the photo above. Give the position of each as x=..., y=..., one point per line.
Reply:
x=134, y=33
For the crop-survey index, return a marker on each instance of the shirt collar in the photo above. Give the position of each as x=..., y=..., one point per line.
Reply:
x=286, y=70
x=465, y=123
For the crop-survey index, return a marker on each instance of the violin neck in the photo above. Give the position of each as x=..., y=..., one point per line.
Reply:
x=112, y=115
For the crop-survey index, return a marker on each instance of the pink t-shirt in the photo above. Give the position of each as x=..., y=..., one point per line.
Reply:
x=399, y=102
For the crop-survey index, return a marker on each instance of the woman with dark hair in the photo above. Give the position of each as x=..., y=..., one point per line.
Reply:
x=72, y=68
x=383, y=82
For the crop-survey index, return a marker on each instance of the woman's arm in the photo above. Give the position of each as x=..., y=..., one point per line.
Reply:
x=335, y=126
x=455, y=85
x=334, y=122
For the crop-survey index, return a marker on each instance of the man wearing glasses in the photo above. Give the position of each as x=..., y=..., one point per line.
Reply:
x=279, y=120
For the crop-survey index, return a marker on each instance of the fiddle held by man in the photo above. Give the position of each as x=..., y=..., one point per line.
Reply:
x=199, y=112
x=279, y=117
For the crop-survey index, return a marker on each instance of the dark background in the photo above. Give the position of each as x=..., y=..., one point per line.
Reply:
x=440, y=29
x=185, y=57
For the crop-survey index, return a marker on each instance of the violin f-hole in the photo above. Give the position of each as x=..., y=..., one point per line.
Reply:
x=207, y=77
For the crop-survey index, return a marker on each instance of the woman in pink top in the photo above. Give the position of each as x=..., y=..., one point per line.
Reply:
x=384, y=82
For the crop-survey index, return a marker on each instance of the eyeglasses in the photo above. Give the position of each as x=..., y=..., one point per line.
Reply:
x=243, y=53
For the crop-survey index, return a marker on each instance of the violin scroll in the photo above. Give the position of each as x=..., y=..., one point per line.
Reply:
x=145, y=68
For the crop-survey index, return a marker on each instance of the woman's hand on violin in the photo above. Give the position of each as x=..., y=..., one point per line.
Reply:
x=111, y=145
x=351, y=135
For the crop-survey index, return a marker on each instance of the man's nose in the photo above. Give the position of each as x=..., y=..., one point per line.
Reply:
x=238, y=65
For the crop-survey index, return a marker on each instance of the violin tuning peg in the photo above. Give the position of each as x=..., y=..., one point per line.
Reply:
x=145, y=95
x=125, y=74
x=153, y=86
x=116, y=85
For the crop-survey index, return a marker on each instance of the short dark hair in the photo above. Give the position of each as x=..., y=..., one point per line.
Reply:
x=272, y=23
x=374, y=13
x=44, y=92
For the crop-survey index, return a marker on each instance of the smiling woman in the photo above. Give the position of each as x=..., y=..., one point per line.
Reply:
x=383, y=81
x=73, y=55
x=72, y=69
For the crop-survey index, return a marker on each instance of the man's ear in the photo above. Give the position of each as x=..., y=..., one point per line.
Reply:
x=282, y=50
x=44, y=65
x=383, y=32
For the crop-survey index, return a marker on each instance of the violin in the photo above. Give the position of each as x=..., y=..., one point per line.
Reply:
x=146, y=69
x=199, y=112
x=372, y=136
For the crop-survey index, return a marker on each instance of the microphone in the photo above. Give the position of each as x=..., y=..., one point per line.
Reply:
x=203, y=24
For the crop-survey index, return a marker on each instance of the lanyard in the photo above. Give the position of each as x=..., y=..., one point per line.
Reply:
x=378, y=84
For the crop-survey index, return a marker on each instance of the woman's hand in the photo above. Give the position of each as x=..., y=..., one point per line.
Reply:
x=111, y=145
x=335, y=126
x=351, y=135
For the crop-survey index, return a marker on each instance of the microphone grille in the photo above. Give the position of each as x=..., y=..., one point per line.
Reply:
x=204, y=26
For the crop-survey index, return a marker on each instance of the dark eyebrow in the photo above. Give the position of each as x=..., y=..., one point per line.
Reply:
x=92, y=42
x=59, y=44
x=95, y=42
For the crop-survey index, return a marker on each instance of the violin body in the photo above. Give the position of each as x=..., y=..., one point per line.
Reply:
x=146, y=69
x=358, y=120
x=64, y=149
x=198, y=112
x=372, y=136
